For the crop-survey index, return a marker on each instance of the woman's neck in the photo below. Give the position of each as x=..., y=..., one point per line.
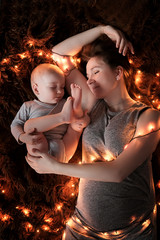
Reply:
x=119, y=99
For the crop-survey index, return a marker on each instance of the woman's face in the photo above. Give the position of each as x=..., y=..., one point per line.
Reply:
x=101, y=77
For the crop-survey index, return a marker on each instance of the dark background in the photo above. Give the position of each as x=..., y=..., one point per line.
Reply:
x=33, y=27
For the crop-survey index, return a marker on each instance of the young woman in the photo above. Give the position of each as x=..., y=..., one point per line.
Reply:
x=116, y=191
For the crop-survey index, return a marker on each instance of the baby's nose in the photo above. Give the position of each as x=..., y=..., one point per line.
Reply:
x=59, y=90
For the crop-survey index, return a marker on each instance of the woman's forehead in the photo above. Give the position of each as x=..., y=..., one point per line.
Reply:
x=95, y=62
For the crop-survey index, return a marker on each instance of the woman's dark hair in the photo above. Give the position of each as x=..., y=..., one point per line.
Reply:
x=104, y=48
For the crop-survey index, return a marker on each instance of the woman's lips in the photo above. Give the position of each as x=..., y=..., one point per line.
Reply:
x=94, y=87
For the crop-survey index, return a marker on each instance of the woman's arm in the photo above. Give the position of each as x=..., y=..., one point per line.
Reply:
x=74, y=44
x=132, y=157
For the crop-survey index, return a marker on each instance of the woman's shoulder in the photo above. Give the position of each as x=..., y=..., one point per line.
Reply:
x=150, y=114
x=149, y=121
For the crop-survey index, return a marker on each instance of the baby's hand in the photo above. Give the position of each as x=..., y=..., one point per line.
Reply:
x=80, y=123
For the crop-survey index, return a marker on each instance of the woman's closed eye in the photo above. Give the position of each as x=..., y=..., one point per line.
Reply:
x=96, y=72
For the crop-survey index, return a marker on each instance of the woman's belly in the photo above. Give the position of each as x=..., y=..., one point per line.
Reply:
x=109, y=206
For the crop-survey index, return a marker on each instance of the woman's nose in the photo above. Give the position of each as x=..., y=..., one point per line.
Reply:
x=90, y=81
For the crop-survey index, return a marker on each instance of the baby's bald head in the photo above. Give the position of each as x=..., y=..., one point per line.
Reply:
x=43, y=70
x=48, y=82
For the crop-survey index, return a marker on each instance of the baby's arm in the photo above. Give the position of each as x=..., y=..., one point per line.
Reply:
x=45, y=123
x=31, y=138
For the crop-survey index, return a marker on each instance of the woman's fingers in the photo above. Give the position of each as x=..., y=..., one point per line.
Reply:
x=125, y=50
x=118, y=40
x=130, y=46
x=122, y=44
x=125, y=46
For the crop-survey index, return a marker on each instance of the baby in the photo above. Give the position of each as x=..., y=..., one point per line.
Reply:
x=48, y=82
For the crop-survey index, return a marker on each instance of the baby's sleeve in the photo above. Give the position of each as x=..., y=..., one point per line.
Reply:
x=17, y=125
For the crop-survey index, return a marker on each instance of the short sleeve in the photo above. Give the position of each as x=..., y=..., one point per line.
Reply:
x=17, y=125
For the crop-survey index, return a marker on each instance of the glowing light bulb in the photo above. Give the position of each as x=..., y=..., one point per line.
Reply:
x=3, y=191
x=130, y=61
x=40, y=53
x=22, y=55
x=69, y=222
x=155, y=209
x=49, y=220
x=5, y=218
x=139, y=96
x=151, y=127
x=48, y=55
x=78, y=60
x=157, y=74
x=105, y=234
x=72, y=194
x=37, y=231
x=92, y=158
x=28, y=227
x=158, y=184
x=117, y=232
x=79, y=162
x=59, y=206
x=72, y=60
x=73, y=185
x=85, y=228
x=46, y=228
x=137, y=80
x=26, y=211
x=126, y=146
x=5, y=60
x=77, y=220
x=146, y=223
x=30, y=43
x=65, y=67
x=64, y=236
x=64, y=60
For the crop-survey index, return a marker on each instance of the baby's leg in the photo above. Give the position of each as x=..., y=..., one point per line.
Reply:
x=42, y=147
x=76, y=93
x=67, y=111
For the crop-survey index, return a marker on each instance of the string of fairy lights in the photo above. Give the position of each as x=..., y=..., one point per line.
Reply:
x=47, y=223
x=15, y=64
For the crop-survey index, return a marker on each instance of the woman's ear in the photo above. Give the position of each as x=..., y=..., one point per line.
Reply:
x=35, y=89
x=119, y=72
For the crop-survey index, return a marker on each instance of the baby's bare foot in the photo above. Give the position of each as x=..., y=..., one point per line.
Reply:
x=67, y=111
x=76, y=93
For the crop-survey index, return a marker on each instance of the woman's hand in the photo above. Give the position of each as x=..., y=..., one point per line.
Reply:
x=118, y=37
x=32, y=137
x=44, y=163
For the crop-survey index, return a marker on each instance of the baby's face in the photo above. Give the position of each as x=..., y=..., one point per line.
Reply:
x=51, y=88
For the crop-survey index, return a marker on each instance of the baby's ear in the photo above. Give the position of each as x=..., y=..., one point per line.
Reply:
x=35, y=88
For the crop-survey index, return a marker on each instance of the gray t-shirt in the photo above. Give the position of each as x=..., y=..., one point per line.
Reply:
x=109, y=210
x=34, y=109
